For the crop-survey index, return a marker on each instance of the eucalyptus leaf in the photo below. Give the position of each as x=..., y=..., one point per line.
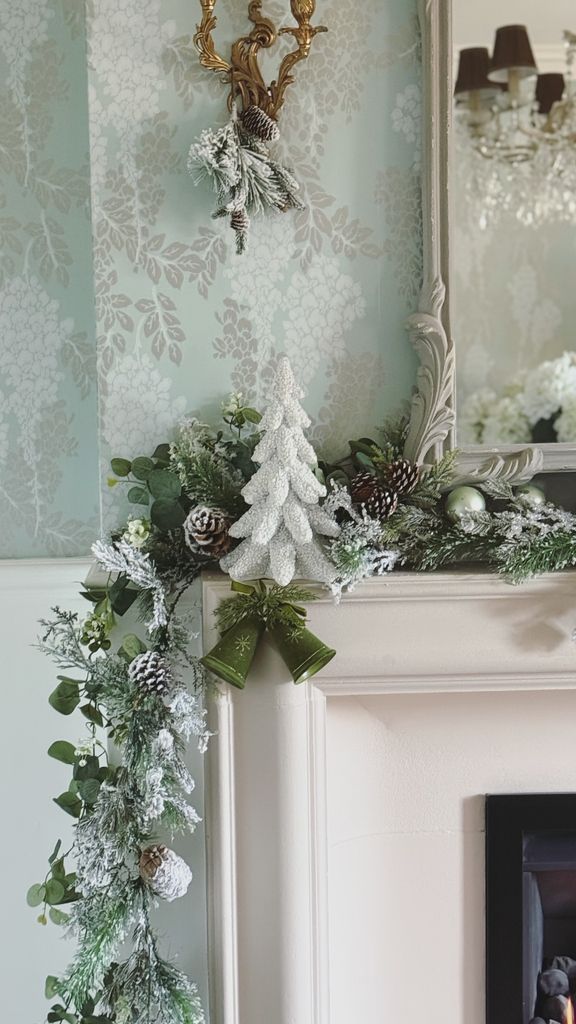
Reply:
x=121, y=467
x=58, y=917
x=92, y=714
x=51, y=986
x=54, y=891
x=162, y=483
x=59, y=871
x=142, y=467
x=138, y=496
x=167, y=514
x=55, y=852
x=69, y=803
x=162, y=453
x=87, y=770
x=63, y=751
x=66, y=697
x=89, y=790
x=35, y=895
x=252, y=415
x=132, y=646
x=121, y=596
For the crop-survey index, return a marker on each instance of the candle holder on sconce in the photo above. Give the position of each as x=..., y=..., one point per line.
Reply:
x=242, y=71
x=247, y=178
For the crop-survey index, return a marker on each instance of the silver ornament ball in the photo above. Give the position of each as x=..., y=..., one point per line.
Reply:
x=531, y=494
x=464, y=499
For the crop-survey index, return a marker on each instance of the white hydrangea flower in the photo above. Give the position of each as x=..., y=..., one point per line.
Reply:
x=506, y=423
x=139, y=407
x=548, y=387
x=473, y=413
x=566, y=423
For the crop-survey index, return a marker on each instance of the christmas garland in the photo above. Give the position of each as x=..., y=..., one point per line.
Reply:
x=253, y=498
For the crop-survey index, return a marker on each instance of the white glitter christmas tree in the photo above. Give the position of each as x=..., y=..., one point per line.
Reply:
x=280, y=531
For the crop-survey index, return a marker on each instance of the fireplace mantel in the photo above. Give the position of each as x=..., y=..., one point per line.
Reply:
x=448, y=632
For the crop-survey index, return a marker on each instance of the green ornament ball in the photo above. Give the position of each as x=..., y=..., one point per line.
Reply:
x=464, y=499
x=531, y=494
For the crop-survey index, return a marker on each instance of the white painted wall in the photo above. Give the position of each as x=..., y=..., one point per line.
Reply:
x=407, y=775
x=29, y=780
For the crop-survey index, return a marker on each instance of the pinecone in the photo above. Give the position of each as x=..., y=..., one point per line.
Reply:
x=165, y=872
x=402, y=476
x=240, y=223
x=206, y=532
x=379, y=500
x=151, y=673
x=151, y=859
x=257, y=123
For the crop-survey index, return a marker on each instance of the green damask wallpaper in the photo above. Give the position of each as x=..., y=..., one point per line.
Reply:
x=180, y=319
x=48, y=423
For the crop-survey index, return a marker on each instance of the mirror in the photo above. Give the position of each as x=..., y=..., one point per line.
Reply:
x=512, y=222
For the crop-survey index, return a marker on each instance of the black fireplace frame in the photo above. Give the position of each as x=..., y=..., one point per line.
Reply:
x=508, y=819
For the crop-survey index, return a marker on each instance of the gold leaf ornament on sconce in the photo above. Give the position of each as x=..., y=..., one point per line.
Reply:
x=246, y=178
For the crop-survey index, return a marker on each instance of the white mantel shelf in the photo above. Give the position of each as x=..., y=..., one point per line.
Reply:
x=458, y=630
x=445, y=632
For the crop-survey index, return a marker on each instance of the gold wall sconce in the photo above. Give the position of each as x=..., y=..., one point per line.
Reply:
x=242, y=71
x=247, y=178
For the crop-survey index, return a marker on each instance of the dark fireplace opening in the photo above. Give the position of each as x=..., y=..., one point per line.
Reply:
x=531, y=909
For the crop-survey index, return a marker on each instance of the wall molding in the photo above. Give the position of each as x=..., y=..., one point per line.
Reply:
x=44, y=573
x=267, y=764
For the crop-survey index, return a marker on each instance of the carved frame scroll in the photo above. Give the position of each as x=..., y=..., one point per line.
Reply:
x=432, y=430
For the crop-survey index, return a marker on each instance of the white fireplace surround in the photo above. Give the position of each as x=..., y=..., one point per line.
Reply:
x=267, y=815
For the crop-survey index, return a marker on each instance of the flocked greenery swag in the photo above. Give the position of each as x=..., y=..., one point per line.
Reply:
x=196, y=501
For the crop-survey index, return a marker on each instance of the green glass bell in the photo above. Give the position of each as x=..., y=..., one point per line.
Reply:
x=230, y=659
x=303, y=652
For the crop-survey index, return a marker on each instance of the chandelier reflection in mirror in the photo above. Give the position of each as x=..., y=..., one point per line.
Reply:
x=515, y=131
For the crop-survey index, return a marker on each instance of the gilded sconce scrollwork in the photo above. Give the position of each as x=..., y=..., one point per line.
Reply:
x=242, y=71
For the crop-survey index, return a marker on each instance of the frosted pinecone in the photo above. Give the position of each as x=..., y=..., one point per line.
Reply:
x=165, y=872
x=402, y=476
x=258, y=123
x=151, y=672
x=377, y=498
x=206, y=532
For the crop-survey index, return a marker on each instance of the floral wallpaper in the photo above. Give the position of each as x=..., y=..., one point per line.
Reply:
x=180, y=319
x=48, y=450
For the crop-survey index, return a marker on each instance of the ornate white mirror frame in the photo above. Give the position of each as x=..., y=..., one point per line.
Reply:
x=433, y=417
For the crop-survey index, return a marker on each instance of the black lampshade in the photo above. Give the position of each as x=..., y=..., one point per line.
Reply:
x=549, y=90
x=512, y=51
x=473, y=68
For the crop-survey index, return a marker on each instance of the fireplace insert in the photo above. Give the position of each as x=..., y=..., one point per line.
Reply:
x=531, y=909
